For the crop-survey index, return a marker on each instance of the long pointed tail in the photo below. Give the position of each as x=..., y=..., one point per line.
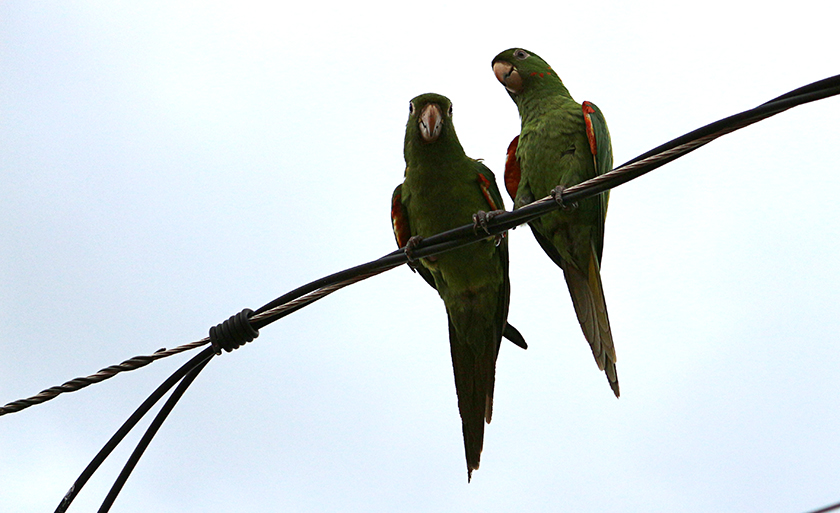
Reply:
x=591, y=308
x=475, y=377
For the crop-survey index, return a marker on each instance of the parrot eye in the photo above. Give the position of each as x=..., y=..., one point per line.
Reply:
x=521, y=54
x=450, y=110
x=410, y=108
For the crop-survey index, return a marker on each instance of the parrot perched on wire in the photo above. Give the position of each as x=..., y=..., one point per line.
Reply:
x=443, y=189
x=562, y=143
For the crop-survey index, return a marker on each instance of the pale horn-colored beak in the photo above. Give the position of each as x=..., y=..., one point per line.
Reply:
x=508, y=76
x=431, y=122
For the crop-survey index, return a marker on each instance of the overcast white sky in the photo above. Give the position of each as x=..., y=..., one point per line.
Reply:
x=165, y=164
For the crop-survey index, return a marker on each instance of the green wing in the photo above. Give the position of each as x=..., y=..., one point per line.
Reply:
x=597, y=132
x=489, y=187
x=487, y=182
x=402, y=231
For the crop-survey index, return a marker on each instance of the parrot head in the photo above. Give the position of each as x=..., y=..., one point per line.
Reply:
x=521, y=71
x=428, y=117
x=430, y=123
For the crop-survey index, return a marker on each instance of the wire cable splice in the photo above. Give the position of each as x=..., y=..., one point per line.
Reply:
x=233, y=333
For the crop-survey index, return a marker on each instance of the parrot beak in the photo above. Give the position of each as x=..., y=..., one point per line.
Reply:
x=431, y=122
x=508, y=76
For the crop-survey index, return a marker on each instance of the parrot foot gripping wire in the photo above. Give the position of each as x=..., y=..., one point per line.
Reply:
x=410, y=246
x=481, y=220
x=557, y=194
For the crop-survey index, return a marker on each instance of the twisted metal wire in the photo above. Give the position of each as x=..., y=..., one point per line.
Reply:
x=272, y=314
x=131, y=364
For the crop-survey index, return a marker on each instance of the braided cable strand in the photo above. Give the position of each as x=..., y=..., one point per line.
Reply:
x=285, y=309
x=106, y=373
x=607, y=180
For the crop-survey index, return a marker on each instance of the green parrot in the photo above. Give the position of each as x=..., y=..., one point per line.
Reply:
x=562, y=143
x=443, y=189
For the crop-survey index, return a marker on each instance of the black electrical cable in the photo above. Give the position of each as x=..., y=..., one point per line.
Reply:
x=229, y=335
x=151, y=431
x=826, y=509
x=200, y=359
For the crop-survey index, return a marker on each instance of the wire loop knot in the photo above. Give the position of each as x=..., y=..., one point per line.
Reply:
x=233, y=333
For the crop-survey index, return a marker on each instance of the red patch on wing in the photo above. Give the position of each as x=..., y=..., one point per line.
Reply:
x=590, y=132
x=484, y=183
x=512, y=171
x=401, y=229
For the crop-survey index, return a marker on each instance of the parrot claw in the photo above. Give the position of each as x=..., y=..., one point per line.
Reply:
x=412, y=243
x=557, y=194
x=482, y=218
